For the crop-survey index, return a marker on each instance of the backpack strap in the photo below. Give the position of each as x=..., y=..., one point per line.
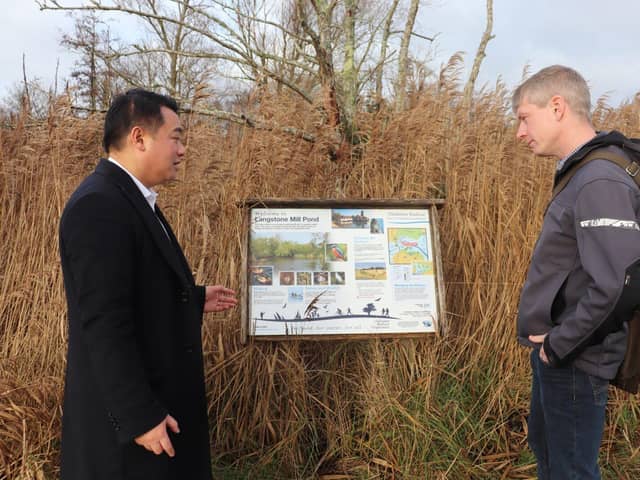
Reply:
x=630, y=166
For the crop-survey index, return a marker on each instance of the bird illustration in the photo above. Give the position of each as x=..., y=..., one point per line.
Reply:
x=337, y=252
x=284, y=305
x=319, y=277
x=378, y=299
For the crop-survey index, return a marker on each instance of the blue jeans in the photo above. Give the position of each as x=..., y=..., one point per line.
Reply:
x=566, y=421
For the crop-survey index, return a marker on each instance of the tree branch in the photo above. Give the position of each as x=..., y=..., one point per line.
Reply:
x=240, y=119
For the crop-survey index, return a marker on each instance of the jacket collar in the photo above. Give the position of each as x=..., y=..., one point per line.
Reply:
x=168, y=246
x=601, y=140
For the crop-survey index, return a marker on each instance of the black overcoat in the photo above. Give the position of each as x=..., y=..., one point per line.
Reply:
x=135, y=348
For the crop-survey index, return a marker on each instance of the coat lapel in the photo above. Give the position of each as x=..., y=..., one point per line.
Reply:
x=171, y=253
x=175, y=244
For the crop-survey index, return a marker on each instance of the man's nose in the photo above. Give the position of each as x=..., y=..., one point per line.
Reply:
x=521, y=132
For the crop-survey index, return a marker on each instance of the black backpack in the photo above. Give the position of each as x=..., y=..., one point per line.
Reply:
x=628, y=306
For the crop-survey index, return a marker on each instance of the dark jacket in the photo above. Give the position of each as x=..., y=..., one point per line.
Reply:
x=590, y=237
x=135, y=351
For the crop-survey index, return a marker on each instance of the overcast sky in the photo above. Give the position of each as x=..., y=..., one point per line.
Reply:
x=599, y=39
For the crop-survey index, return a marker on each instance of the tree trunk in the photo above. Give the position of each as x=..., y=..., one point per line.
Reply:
x=486, y=37
x=403, y=59
x=349, y=73
x=383, y=49
x=324, y=56
x=174, y=81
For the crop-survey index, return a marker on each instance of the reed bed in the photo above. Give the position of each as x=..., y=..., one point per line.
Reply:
x=450, y=407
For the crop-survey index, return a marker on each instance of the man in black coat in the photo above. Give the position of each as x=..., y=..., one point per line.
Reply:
x=134, y=400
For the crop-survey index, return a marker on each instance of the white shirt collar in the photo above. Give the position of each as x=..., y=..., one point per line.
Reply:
x=149, y=194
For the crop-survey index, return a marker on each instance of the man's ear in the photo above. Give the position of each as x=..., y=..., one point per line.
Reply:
x=558, y=106
x=136, y=137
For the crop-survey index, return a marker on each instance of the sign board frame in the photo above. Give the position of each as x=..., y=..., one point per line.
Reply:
x=313, y=290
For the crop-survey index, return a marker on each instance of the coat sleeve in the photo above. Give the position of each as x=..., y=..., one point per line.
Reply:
x=608, y=240
x=200, y=299
x=98, y=249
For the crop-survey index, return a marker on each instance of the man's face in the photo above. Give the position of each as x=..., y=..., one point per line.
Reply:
x=538, y=127
x=164, y=150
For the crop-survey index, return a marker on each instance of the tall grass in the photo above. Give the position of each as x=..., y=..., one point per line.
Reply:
x=441, y=407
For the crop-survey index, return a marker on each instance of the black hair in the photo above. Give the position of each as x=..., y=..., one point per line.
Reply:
x=135, y=107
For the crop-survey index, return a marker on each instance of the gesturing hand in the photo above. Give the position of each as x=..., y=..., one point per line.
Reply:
x=218, y=298
x=157, y=439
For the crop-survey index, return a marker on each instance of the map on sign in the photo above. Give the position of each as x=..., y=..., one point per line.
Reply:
x=408, y=246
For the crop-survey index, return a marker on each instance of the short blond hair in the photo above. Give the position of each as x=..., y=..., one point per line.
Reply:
x=555, y=80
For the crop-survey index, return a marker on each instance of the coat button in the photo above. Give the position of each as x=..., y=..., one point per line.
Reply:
x=184, y=296
x=113, y=421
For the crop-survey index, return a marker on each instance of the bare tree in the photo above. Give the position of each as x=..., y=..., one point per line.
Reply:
x=349, y=69
x=35, y=104
x=154, y=61
x=480, y=54
x=384, y=44
x=94, y=79
x=401, y=85
x=26, y=96
x=317, y=49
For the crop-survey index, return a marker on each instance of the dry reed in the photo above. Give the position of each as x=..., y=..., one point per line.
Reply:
x=449, y=407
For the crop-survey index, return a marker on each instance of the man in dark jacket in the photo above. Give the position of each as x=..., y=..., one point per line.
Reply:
x=590, y=237
x=134, y=401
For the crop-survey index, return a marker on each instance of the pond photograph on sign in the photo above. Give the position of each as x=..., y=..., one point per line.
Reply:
x=341, y=271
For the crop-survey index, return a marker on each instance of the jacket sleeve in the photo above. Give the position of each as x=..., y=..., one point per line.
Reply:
x=98, y=249
x=608, y=241
x=200, y=298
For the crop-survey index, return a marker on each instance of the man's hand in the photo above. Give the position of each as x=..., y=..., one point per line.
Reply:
x=540, y=339
x=157, y=439
x=218, y=298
